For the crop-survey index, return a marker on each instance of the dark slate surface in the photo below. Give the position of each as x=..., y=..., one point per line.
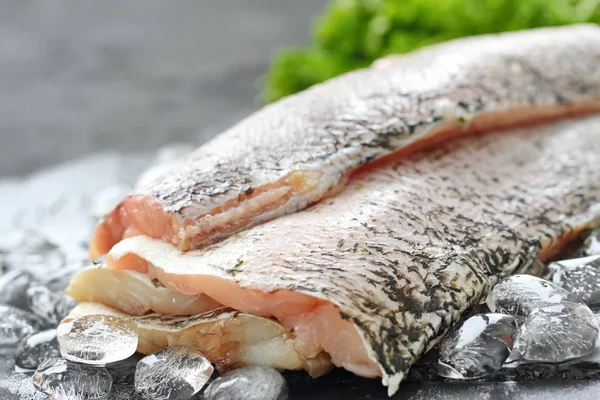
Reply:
x=79, y=77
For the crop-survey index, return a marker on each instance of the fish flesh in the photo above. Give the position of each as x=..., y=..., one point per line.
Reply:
x=302, y=149
x=134, y=293
x=377, y=274
x=228, y=338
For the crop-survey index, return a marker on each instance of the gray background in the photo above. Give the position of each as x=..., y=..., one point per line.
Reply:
x=78, y=77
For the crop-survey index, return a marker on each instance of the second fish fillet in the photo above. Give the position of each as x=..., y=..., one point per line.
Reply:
x=377, y=274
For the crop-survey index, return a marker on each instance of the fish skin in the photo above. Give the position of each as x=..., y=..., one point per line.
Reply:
x=322, y=134
x=410, y=245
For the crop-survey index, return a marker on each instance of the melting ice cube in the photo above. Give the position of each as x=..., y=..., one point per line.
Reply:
x=478, y=347
x=15, y=324
x=52, y=307
x=173, y=373
x=580, y=276
x=557, y=333
x=519, y=295
x=13, y=285
x=249, y=383
x=96, y=339
x=35, y=349
x=64, y=380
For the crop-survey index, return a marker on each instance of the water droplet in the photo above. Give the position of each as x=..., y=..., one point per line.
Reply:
x=96, y=339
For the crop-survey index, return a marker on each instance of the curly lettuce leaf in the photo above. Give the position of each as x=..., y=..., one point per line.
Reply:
x=353, y=33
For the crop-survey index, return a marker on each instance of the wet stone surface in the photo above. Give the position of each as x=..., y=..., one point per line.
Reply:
x=580, y=276
x=64, y=380
x=174, y=373
x=478, y=347
x=249, y=383
x=36, y=348
x=15, y=324
x=51, y=307
x=520, y=295
x=96, y=340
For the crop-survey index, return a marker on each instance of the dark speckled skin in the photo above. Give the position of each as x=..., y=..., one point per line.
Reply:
x=339, y=125
x=410, y=245
x=367, y=114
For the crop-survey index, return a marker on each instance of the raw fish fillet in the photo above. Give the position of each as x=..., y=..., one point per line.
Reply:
x=377, y=274
x=134, y=293
x=301, y=149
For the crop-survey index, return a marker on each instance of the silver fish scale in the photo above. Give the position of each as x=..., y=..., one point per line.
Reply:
x=409, y=246
x=341, y=124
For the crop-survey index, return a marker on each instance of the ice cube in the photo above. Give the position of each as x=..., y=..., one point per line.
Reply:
x=519, y=295
x=123, y=371
x=51, y=307
x=591, y=245
x=557, y=333
x=13, y=285
x=478, y=347
x=173, y=373
x=33, y=350
x=248, y=383
x=96, y=339
x=15, y=324
x=580, y=276
x=64, y=380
